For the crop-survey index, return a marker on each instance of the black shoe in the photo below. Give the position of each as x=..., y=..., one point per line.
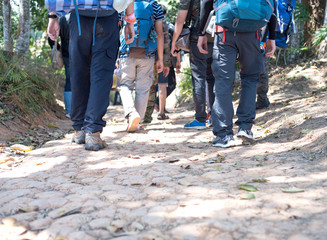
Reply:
x=262, y=105
x=162, y=116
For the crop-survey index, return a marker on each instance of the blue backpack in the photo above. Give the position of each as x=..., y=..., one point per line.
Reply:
x=243, y=15
x=284, y=29
x=145, y=35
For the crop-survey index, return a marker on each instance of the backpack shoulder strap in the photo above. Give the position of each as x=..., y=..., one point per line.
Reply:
x=188, y=17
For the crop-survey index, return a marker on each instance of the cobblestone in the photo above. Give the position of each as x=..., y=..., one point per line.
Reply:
x=160, y=184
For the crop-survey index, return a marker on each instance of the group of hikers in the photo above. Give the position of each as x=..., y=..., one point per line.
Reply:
x=133, y=37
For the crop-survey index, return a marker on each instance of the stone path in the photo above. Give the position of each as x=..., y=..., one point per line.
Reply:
x=169, y=183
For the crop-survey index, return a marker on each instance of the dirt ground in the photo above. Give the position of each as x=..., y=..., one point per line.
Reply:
x=166, y=182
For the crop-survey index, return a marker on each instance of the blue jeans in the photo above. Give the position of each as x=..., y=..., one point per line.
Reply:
x=91, y=69
x=246, y=48
x=201, y=72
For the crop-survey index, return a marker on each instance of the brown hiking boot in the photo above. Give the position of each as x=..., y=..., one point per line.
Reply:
x=93, y=142
x=79, y=137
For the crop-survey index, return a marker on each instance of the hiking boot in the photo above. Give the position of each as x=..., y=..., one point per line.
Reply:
x=162, y=116
x=195, y=124
x=224, y=142
x=79, y=137
x=245, y=135
x=93, y=142
x=134, y=120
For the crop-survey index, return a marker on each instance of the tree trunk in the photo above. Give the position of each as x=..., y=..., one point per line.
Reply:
x=325, y=21
x=322, y=52
x=24, y=27
x=317, y=14
x=7, y=34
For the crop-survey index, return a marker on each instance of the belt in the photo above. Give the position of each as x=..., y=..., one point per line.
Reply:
x=219, y=29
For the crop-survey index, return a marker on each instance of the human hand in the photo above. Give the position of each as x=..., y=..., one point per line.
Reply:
x=174, y=51
x=129, y=33
x=166, y=71
x=270, y=48
x=53, y=29
x=202, y=44
x=159, y=65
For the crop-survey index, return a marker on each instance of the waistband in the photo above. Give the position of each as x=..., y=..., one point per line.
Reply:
x=93, y=13
x=219, y=29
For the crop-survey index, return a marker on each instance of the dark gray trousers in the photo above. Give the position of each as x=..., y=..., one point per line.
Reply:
x=245, y=47
x=263, y=85
x=201, y=72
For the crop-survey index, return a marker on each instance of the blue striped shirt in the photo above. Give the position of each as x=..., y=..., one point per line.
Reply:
x=63, y=6
x=157, y=12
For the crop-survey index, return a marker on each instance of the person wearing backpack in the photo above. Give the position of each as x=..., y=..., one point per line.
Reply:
x=200, y=63
x=93, y=49
x=137, y=61
x=238, y=25
x=167, y=84
x=284, y=32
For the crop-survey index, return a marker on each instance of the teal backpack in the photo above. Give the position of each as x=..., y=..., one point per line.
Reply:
x=243, y=15
x=145, y=35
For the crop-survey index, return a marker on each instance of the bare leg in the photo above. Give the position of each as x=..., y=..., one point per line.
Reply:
x=162, y=97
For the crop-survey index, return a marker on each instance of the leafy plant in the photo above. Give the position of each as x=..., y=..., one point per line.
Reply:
x=301, y=13
x=172, y=10
x=25, y=86
x=320, y=36
x=185, y=86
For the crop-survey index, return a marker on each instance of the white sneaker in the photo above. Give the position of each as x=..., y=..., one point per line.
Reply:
x=134, y=120
x=245, y=134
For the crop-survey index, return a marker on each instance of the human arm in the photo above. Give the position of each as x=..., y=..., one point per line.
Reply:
x=271, y=44
x=160, y=45
x=167, y=59
x=129, y=28
x=206, y=7
x=181, y=16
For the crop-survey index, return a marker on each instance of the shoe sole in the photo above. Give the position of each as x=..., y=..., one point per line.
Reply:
x=245, y=139
x=95, y=147
x=230, y=144
x=133, y=126
x=78, y=141
x=198, y=128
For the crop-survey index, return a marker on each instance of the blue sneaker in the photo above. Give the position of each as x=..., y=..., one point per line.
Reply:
x=195, y=124
x=224, y=142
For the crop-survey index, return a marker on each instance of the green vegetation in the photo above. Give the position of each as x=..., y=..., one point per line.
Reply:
x=25, y=86
x=320, y=36
x=185, y=86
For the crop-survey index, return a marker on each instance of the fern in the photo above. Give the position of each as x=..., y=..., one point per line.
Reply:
x=25, y=85
x=320, y=36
